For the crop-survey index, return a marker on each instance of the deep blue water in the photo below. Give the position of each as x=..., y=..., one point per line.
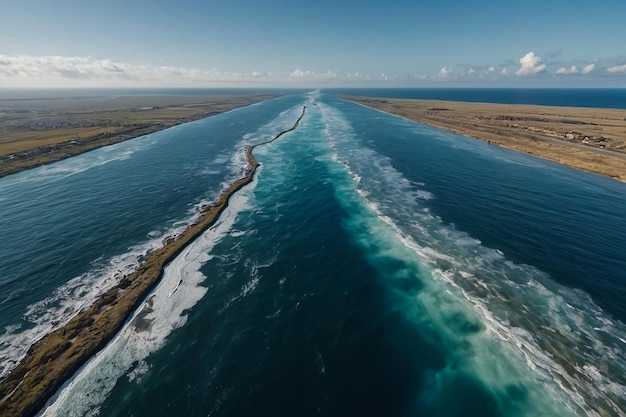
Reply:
x=572, y=97
x=374, y=267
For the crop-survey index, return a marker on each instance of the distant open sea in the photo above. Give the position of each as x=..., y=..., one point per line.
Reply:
x=573, y=97
x=374, y=267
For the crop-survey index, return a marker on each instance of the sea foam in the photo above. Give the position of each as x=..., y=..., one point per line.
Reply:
x=534, y=327
x=164, y=310
x=167, y=307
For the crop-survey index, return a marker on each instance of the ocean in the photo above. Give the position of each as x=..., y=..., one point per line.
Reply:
x=569, y=97
x=375, y=266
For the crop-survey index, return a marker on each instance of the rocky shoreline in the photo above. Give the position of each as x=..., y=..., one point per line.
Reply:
x=55, y=358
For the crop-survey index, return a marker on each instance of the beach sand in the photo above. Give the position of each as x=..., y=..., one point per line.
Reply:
x=589, y=139
x=35, y=132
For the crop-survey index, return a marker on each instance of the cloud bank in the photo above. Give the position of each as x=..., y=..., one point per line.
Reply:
x=63, y=71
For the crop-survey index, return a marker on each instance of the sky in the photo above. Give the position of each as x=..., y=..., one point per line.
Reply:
x=315, y=43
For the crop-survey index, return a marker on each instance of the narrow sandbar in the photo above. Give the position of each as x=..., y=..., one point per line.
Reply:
x=57, y=356
x=589, y=139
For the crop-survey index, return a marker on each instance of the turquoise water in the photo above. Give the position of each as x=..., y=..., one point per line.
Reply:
x=374, y=267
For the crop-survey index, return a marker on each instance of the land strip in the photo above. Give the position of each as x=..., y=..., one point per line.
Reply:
x=590, y=139
x=56, y=357
x=37, y=132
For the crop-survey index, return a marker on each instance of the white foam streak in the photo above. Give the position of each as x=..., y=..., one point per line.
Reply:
x=76, y=295
x=525, y=315
x=82, y=291
x=165, y=310
x=177, y=292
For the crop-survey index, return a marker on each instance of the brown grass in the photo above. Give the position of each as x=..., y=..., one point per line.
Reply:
x=590, y=139
x=13, y=142
x=38, y=132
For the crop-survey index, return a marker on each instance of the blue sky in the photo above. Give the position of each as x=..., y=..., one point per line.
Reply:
x=317, y=43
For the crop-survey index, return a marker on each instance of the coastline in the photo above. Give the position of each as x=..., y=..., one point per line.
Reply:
x=589, y=139
x=56, y=130
x=56, y=357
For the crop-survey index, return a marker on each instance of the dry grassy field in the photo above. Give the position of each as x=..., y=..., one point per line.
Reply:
x=590, y=139
x=34, y=132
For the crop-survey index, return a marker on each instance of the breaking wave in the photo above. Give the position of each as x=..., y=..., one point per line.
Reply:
x=554, y=340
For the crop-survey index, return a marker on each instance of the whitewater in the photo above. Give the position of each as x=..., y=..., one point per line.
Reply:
x=374, y=266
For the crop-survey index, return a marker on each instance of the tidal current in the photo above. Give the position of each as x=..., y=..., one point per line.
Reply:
x=375, y=266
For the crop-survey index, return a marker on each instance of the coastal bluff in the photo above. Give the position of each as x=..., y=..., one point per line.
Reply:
x=55, y=358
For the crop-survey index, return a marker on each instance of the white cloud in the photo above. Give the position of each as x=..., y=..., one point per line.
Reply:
x=298, y=73
x=63, y=71
x=312, y=75
x=26, y=70
x=588, y=68
x=617, y=68
x=357, y=76
x=573, y=70
x=444, y=72
x=530, y=65
x=566, y=71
